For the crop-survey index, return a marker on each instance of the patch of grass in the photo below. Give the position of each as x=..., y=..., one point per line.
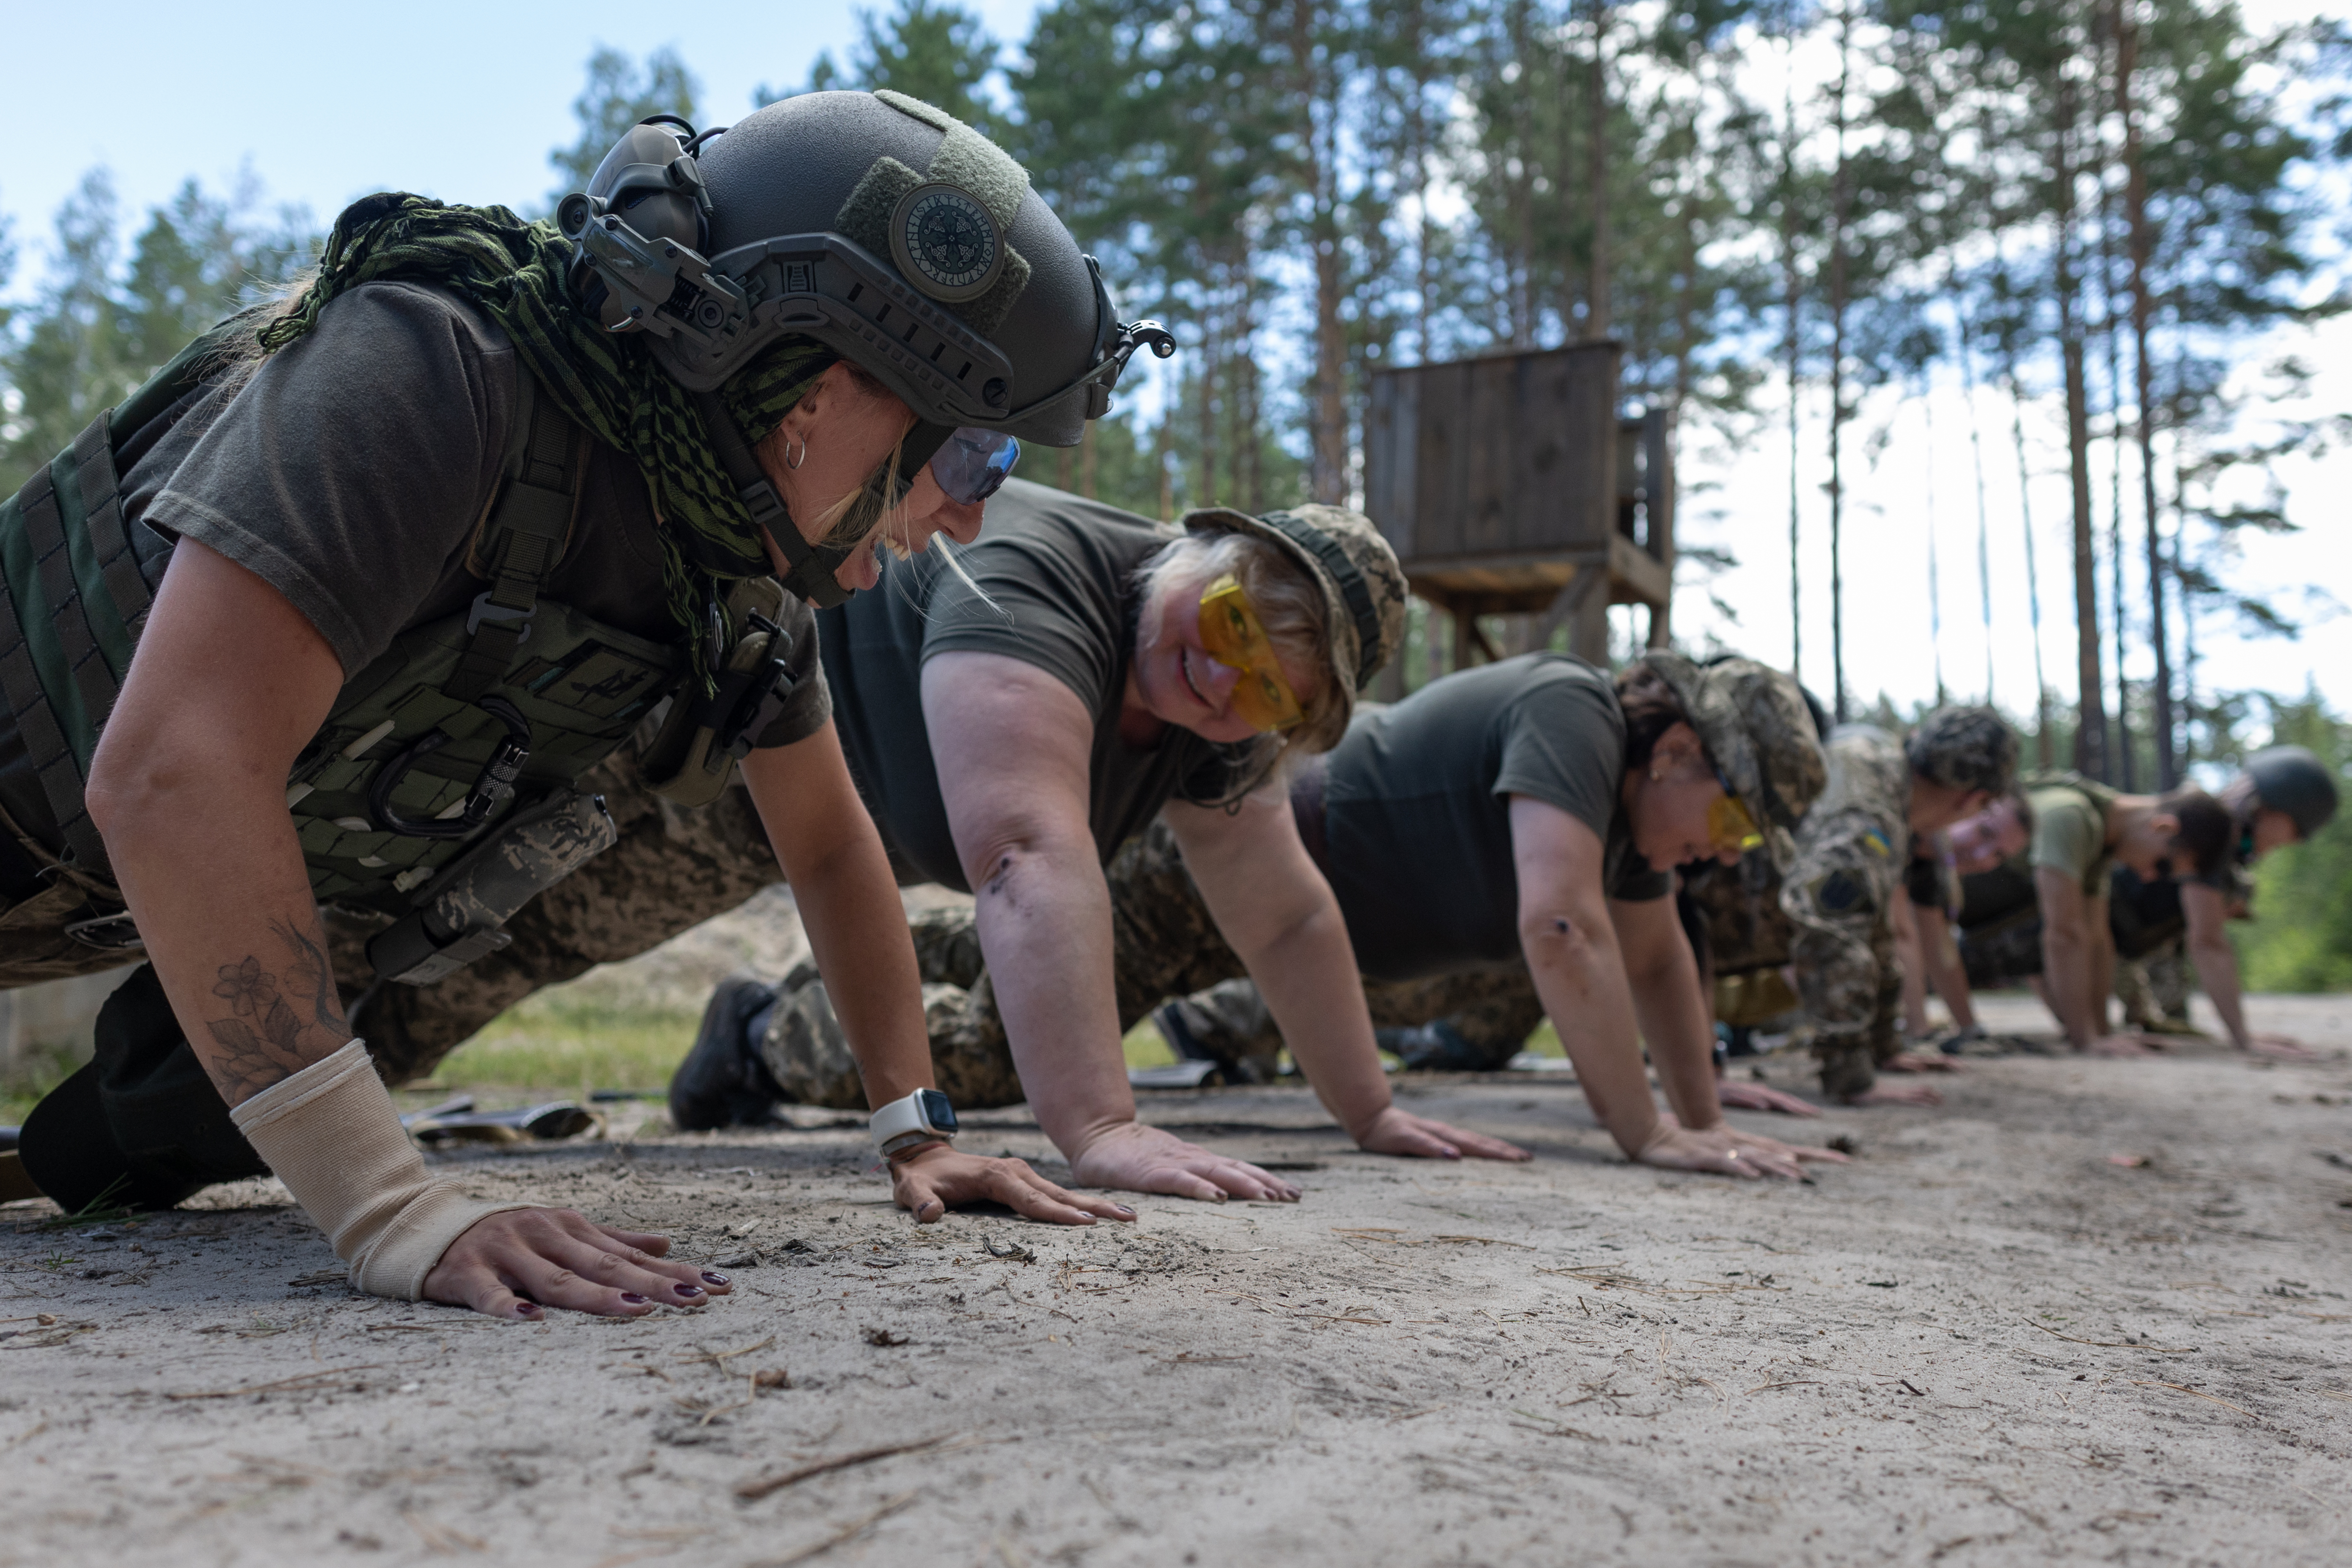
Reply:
x=1147, y=1047
x=24, y=1088
x=572, y=1045
x=1545, y=1042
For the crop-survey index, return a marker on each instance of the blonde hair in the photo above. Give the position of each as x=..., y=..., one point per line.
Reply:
x=1289, y=603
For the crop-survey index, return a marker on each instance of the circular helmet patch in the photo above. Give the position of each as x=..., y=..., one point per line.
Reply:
x=946, y=243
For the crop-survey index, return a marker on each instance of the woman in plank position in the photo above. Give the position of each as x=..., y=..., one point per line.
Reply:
x=342, y=607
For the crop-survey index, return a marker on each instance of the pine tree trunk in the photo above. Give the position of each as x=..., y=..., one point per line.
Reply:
x=2042, y=746
x=1792, y=349
x=1596, y=178
x=2141, y=242
x=1840, y=203
x=1210, y=351
x=2091, y=717
x=1417, y=116
x=2125, y=764
x=1320, y=88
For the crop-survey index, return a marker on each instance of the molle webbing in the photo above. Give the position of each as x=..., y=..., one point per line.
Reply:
x=524, y=537
x=67, y=571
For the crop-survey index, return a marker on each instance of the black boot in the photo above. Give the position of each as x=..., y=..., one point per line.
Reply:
x=722, y=1082
x=141, y=1126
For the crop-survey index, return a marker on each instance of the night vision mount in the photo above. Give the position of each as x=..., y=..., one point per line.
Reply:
x=641, y=230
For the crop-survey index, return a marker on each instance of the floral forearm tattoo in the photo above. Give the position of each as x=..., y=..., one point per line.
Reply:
x=279, y=1020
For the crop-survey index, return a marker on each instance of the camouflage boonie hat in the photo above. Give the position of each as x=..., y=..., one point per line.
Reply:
x=1964, y=749
x=1363, y=586
x=1758, y=734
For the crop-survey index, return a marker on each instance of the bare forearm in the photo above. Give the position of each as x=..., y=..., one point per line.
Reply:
x=1583, y=984
x=1945, y=971
x=857, y=930
x=2217, y=972
x=230, y=925
x=2067, y=973
x=1307, y=976
x=1044, y=928
x=1679, y=1028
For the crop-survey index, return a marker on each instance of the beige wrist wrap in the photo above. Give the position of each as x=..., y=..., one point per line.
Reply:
x=332, y=1135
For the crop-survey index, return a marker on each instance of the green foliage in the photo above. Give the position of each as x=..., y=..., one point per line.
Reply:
x=931, y=49
x=99, y=326
x=620, y=92
x=2301, y=936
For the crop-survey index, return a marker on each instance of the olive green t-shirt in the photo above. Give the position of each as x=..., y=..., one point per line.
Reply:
x=2070, y=829
x=1052, y=583
x=350, y=473
x=1417, y=803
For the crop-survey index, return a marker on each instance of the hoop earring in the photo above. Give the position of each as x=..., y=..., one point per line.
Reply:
x=789, y=461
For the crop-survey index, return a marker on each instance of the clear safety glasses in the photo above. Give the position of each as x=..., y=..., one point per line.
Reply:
x=972, y=463
x=1237, y=638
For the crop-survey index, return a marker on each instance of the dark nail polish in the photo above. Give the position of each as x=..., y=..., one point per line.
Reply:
x=1124, y=1209
x=689, y=1292
x=527, y=1309
x=710, y=1279
x=633, y=1299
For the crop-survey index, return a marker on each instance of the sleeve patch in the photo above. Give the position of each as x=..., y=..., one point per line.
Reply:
x=1840, y=893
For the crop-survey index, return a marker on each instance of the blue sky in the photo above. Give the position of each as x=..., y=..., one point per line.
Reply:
x=329, y=102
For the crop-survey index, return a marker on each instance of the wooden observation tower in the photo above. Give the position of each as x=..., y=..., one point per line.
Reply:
x=1509, y=485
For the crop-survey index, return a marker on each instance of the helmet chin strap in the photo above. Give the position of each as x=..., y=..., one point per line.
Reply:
x=813, y=566
x=811, y=576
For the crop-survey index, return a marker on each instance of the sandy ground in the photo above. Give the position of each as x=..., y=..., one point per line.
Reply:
x=1986, y=1341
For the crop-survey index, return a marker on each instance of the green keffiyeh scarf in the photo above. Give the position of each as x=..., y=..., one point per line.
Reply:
x=512, y=273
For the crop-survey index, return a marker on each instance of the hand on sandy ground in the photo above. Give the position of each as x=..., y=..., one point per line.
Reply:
x=927, y=1184
x=2279, y=1047
x=518, y=1263
x=2121, y=1046
x=1897, y=1094
x=1919, y=1061
x=1130, y=1157
x=1395, y=1132
x=1734, y=1095
x=1757, y=1145
x=1674, y=1147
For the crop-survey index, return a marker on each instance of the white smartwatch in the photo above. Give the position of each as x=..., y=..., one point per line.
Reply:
x=921, y=1116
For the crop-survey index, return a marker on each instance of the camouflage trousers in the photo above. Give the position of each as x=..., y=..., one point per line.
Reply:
x=1484, y=1017
x=1163, y=945
x=673, y=869
x=2154, y=987
x=1839, y=895
x=2005, y=953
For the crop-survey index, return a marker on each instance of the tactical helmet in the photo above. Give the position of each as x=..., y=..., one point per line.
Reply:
x=1363, y=587
x=870, y=222
x=2292, y=780
x=1753, y=720
x=1964, y=749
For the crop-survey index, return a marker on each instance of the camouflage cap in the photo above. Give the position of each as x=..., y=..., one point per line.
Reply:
x=1363, y=586
x=1758, y=734
x=1964, y=749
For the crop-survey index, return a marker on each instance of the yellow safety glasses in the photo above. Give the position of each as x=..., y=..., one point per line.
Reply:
x=1728, y=823
x=1236, y=638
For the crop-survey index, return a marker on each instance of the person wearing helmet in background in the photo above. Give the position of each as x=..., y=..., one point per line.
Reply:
x=1498, y=825
x=343, y=605
x=2282, y=795
x=2082, y=831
